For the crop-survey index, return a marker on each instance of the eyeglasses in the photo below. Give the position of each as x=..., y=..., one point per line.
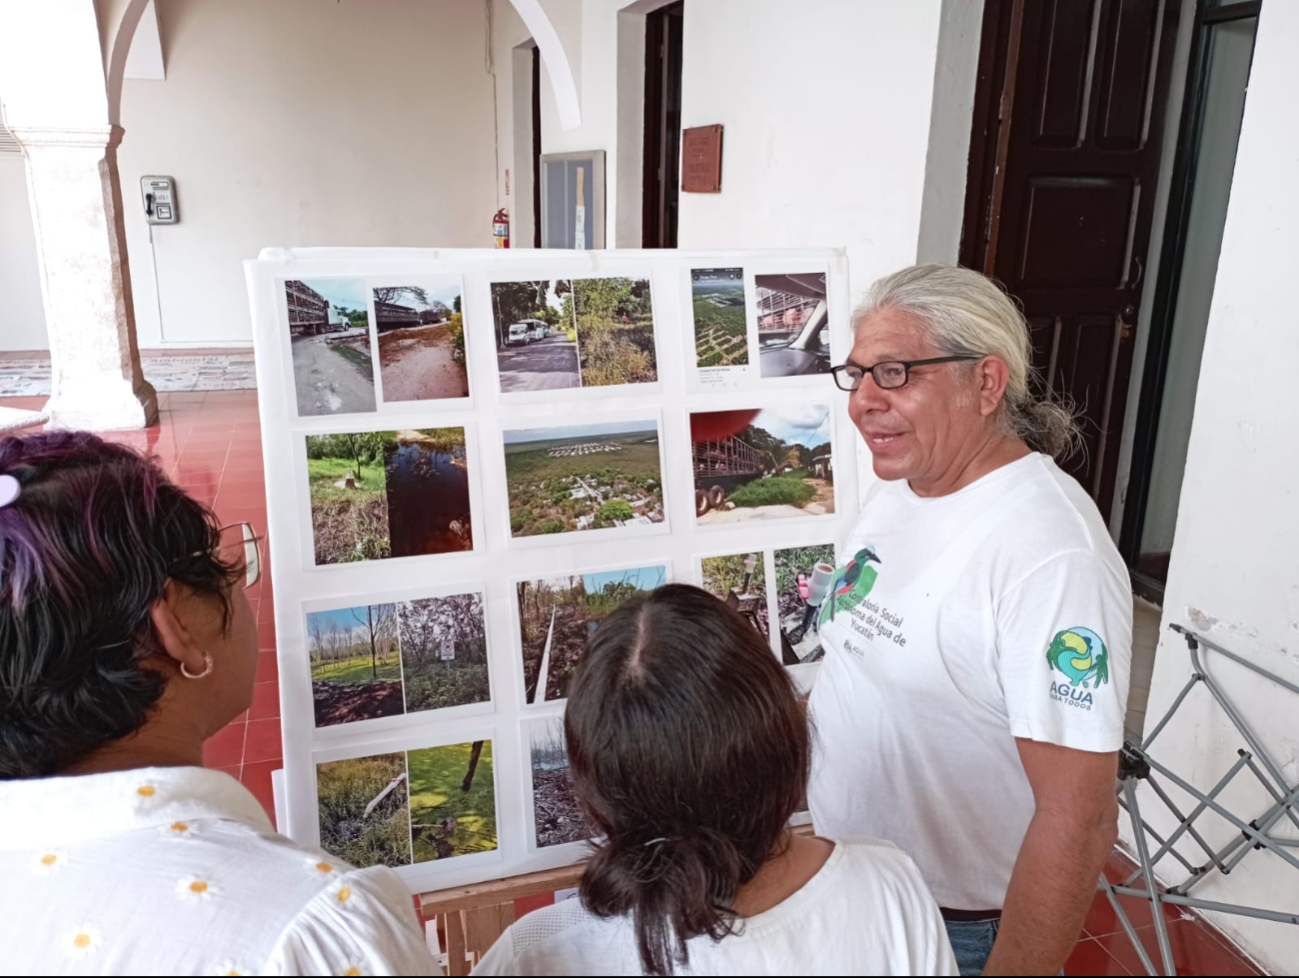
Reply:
x=252, y=549
x=888, y=374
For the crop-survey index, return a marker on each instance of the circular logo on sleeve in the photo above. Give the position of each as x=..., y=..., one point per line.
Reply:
x=1080, y=654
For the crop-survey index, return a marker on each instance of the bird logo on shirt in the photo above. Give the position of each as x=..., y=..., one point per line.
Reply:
x=852, y=582
x=1080, y=654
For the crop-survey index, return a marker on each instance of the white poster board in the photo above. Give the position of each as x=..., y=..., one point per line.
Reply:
x=501, y=449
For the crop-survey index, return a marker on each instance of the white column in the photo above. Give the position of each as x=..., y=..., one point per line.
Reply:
x=81, y=249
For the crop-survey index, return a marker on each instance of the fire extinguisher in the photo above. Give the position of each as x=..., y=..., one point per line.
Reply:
x=501, y=228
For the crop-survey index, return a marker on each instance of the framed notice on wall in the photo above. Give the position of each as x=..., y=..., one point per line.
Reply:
x=472, y=457
x=572, y=200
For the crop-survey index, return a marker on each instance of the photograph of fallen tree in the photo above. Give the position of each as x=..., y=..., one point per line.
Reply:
x=615, y=331
x=452, y=800
x=355, y=664
x=364, y=815
x=556, y=615
x=557, y=817
x=444, y=652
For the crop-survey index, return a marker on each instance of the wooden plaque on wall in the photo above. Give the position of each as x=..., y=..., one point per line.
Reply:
x=701, y=160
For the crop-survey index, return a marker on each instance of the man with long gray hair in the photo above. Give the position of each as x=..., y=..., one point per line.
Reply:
x=978, y=634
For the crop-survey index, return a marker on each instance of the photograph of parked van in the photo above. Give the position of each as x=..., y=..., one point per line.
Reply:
x=536, y=336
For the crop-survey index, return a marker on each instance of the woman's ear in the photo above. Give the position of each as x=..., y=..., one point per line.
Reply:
x=174, y=636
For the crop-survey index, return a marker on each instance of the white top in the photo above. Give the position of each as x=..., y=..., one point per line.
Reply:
x=960, y=623
x=865, y=912
x=177, y=871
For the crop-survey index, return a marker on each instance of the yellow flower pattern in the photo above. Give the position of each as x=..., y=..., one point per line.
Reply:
x=47, y=862
x=83, y=941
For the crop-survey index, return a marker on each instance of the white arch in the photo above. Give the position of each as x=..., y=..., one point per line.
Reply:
x=115, y=63
x=543, y=32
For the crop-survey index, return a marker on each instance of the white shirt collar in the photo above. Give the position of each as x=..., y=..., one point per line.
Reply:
x=62, y=810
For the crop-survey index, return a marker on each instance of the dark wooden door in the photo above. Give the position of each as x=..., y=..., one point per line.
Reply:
x=661, y=179
x=1063, y=166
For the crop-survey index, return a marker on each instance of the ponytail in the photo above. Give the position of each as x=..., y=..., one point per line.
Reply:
x=688, y=753
x=672, y=889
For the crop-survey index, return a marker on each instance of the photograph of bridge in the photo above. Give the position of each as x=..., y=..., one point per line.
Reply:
x=771, y=463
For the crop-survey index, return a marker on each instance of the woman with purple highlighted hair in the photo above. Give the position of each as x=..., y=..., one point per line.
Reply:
x=126, y=640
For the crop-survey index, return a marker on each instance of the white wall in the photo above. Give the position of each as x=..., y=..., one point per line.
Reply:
x=1233, y=573
x=302, y=122
x=23, y=325
x=956, y=70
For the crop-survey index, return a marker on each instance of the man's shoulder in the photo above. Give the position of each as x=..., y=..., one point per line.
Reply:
x=1052, y=515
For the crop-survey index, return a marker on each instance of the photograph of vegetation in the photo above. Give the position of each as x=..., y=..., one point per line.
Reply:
x=585, y=477
x=557, y=614
x=329, y=334
x=778, y=466
x=800, y=638
x=364, y=816
x=452, y=800
x=384, y=494
x=557, y=817
x=741, y=581
x=355, y=664
x=421, y=340
x=349, y=496
x=536, y=335
x=428, y=492
x=615, y=331
x=721, y=325
x=444, y=652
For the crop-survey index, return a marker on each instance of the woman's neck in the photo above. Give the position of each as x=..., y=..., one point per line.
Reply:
x=145, y=748
x=783, y=875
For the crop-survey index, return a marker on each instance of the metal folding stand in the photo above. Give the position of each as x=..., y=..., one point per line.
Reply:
x=1137, y=765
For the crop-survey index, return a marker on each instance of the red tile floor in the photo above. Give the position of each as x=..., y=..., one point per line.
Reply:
x=210, y=443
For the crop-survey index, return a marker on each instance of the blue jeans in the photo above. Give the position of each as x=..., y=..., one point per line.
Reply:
x=972, y=942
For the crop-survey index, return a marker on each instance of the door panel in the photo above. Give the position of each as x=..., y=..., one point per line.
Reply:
x=1068, y=219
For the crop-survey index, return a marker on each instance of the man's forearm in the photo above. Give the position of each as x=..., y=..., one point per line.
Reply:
x=1050, y=891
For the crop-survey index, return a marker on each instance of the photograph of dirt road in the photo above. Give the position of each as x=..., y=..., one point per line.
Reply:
x=777, y=467
x=444, y=652
x=721, y=323
x=741, y=581
x=536, y=336
x=558, y=614
x=452, y=800
x=800, y=637
x=556, y=816
x=329, y=333
x=555, y=334
x=363, y=809
x=584, y=477
x=381, y=494
x=355, y=664
x=421, y=340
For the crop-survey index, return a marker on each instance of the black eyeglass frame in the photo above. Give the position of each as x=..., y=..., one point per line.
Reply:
x=839, y=372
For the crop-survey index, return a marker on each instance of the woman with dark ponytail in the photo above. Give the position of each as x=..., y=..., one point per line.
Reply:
x=689, y=752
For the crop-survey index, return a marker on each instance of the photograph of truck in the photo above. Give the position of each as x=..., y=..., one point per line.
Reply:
x=329, y=332
x=421, y=340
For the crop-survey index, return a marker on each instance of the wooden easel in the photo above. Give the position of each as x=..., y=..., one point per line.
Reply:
x=473, y=917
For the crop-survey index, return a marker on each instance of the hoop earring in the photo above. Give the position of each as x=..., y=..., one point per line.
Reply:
x=207, y=668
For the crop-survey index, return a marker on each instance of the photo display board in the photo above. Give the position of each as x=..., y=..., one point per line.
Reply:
x=472, y=457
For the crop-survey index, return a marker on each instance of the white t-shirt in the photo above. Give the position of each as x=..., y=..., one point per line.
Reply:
x=865, y=912
x=177, y=871
x=959, y=623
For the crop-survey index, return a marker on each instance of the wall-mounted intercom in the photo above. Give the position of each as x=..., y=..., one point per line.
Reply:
x=159, y=195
